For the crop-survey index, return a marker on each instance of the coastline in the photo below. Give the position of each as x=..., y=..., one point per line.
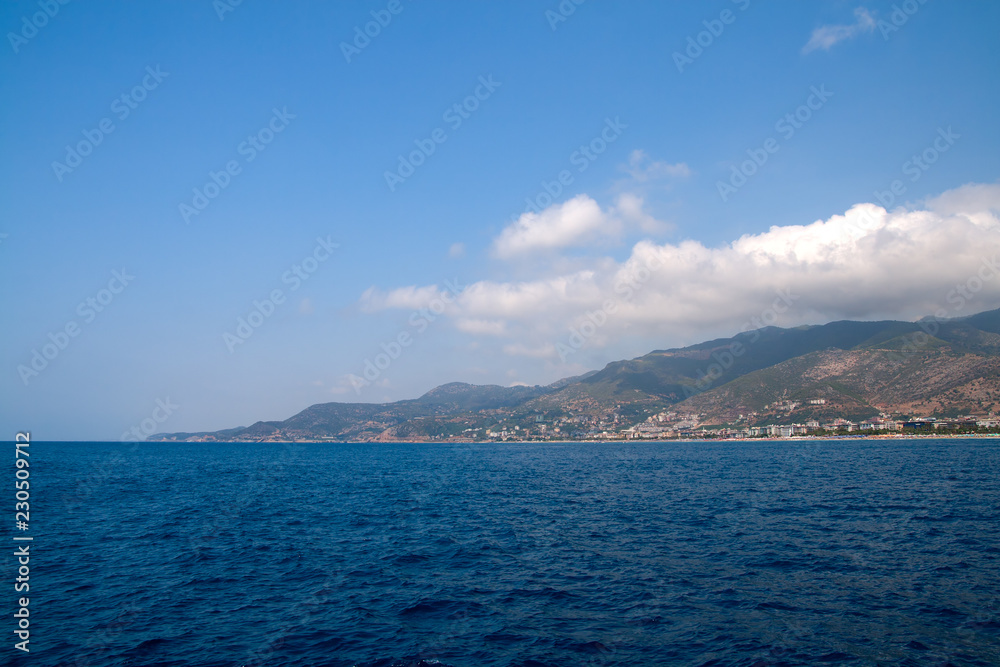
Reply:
x=795, y=438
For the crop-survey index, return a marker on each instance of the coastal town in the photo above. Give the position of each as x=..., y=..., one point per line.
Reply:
x=670, y=425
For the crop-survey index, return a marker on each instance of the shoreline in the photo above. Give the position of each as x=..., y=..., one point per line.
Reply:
x=795, y=438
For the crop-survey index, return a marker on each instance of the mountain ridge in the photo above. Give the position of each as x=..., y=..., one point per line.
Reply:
x=859, y=368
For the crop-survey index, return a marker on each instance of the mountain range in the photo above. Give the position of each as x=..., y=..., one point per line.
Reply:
x=850, y=369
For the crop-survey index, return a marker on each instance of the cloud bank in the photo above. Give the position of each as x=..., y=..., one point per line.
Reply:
x=864, y=263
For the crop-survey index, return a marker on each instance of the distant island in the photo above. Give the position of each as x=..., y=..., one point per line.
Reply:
x=931, y=376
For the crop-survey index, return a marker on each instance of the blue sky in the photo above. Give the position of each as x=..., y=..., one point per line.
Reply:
x=502, y=292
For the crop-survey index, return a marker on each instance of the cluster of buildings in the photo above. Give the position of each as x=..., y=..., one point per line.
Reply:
x=651, y=430
x=670, y=425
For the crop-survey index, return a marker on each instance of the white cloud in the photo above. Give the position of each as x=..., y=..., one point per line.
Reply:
x=456, y=250
x=630, y=207
x=574, y=223
x=979, y=202
x=343, y=387
x=826, y=36
x=407, y=298
x=643, y=169
x=865, y=263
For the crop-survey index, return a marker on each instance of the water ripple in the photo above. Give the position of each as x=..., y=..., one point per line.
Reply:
x=390, y=555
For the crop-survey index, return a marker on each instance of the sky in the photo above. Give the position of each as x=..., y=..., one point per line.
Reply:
x=219, y=212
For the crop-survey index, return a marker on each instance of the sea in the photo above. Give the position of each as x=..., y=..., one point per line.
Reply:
x=795, y=552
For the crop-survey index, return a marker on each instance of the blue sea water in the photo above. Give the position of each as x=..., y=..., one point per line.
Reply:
x=700, y=553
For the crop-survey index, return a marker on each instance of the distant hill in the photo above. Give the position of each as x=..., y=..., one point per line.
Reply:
x=370, y=421
x=857, y=384
x=847, y=369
